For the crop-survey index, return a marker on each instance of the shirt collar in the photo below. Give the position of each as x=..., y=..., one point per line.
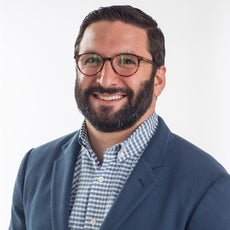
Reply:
x=134, y=145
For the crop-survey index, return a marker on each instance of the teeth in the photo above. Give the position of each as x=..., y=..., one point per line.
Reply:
x=110, y=98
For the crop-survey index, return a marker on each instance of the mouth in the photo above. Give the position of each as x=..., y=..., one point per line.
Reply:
x=109, y=97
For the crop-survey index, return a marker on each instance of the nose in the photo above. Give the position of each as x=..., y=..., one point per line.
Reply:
x=107, y=77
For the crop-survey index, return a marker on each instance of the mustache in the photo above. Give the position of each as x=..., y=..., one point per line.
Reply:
x=112, y=90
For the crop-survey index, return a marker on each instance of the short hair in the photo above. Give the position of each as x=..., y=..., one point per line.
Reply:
x=129, y=15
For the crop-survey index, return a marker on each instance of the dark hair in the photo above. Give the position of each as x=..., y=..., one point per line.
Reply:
x=133, y=16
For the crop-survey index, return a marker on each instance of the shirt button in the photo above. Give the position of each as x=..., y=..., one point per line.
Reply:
x=121, y=155
x=100, y=179
x=93, y=222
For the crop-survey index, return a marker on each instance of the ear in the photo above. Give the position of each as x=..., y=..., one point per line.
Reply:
x=159, y=81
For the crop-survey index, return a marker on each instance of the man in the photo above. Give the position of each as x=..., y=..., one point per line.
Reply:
x=123, y=169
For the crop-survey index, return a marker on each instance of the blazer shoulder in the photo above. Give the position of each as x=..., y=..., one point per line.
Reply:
x=55, y=145
x=42, y=157
x=191, y=154
x=183, y=159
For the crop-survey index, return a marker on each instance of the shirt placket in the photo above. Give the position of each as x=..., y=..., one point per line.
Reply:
x=97, y=198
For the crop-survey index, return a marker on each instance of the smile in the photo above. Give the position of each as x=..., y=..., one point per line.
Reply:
x=110, y=97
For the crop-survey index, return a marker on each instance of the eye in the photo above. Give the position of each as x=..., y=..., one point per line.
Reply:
x=127, y=60
x=91, y=60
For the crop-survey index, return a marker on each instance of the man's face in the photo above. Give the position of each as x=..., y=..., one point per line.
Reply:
x=108, y=101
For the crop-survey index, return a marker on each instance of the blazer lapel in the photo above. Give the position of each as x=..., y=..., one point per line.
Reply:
x=62, y=178
x=139, y=184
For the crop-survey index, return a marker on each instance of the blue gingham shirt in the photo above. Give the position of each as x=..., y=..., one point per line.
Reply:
x=96, y=186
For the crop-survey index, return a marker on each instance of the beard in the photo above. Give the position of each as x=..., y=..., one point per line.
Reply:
x=105, y=119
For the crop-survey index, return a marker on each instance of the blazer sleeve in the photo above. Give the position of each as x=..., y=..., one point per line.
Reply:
x=17, y=221
x=213, y=211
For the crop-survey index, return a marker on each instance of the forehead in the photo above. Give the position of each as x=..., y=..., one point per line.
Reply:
x=114, y=37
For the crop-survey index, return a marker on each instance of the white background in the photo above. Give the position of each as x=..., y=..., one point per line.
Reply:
x=37, y=75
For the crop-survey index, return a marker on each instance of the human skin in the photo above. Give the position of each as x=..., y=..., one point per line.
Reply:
x=109, y=39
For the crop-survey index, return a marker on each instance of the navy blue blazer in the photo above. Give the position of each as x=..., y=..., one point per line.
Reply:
x=174, y=186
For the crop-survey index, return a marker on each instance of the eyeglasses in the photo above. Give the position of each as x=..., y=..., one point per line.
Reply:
x=124, y=64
